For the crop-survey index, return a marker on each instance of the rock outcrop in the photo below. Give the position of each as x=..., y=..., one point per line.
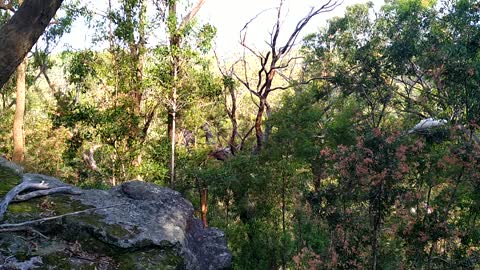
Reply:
x=148, y=227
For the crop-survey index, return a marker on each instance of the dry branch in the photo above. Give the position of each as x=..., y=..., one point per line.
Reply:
x=17, y=190
x=39, y=193
x=28, y=229
x=271, y=62
x=42, y=220
x=32, y=263
x=192, y=13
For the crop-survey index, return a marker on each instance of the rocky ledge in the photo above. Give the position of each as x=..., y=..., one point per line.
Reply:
x=138, y=226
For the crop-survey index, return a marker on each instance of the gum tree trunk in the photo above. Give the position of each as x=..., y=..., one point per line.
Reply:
x=18, y=139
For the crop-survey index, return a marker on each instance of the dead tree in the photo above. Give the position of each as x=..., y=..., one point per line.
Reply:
x=277, y=58
x=231, y=105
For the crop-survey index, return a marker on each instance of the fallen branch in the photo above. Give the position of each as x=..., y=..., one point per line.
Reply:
x=29, y=229
x=45, y=192
x=41, y=220
x=17, y=190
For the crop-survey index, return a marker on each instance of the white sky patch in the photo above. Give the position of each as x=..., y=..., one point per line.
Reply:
x=229, y=17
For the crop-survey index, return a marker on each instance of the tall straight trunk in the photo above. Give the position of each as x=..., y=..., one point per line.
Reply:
x=173, y=117
x=137, y=54
x=137, y=134
x=175, y=41
x=204, y=206
x=375, y=246
x=140, y=57
x=377, y=223
x=18, y=123
x=172, y=150
x=284, y=228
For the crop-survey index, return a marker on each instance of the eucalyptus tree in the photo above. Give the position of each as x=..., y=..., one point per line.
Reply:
x=54, y=29
x=433, y=46
x=130, y=82
x=181, y=53
x=118, y=75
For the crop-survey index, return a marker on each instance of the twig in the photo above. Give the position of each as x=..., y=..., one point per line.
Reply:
x=41, y=220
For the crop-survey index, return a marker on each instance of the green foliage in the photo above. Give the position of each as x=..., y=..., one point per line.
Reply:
x=341, y=182
x=82, y=65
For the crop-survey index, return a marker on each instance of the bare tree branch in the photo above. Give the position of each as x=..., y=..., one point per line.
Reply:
x=271, y=62
x=45, y=192
x=28, y=229
x=192, y=13
x=42, y=220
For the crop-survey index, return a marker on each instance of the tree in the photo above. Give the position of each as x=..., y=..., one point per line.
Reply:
x=60, y=27
x=276, y=59
x=414, y=61
x=176, y=32
x=18, y=137
x=21, y=32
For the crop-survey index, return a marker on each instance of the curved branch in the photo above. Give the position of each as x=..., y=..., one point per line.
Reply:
x=17, y=190
x=45, y=192
x=192, y=14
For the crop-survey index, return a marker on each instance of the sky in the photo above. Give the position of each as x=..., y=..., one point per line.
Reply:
x=230, y=16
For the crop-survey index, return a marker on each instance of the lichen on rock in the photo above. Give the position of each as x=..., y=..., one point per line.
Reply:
x=151, y=228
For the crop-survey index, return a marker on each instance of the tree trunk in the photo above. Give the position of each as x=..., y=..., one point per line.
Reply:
x=18, y=139
x=258, y=124
x=172, y=119
x=268, y=126
x=172, y=149
x=284, y=228
x=233, y=118
x=137, y=50
x=22, y=31
x=204, y=206
x=175, y=42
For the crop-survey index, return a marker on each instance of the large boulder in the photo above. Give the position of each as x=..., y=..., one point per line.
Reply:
x=148, y=227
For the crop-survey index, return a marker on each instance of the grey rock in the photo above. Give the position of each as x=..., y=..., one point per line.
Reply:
x=10, y=165
x=151, y=222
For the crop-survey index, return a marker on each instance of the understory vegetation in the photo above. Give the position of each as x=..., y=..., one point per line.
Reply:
x=308, y=157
